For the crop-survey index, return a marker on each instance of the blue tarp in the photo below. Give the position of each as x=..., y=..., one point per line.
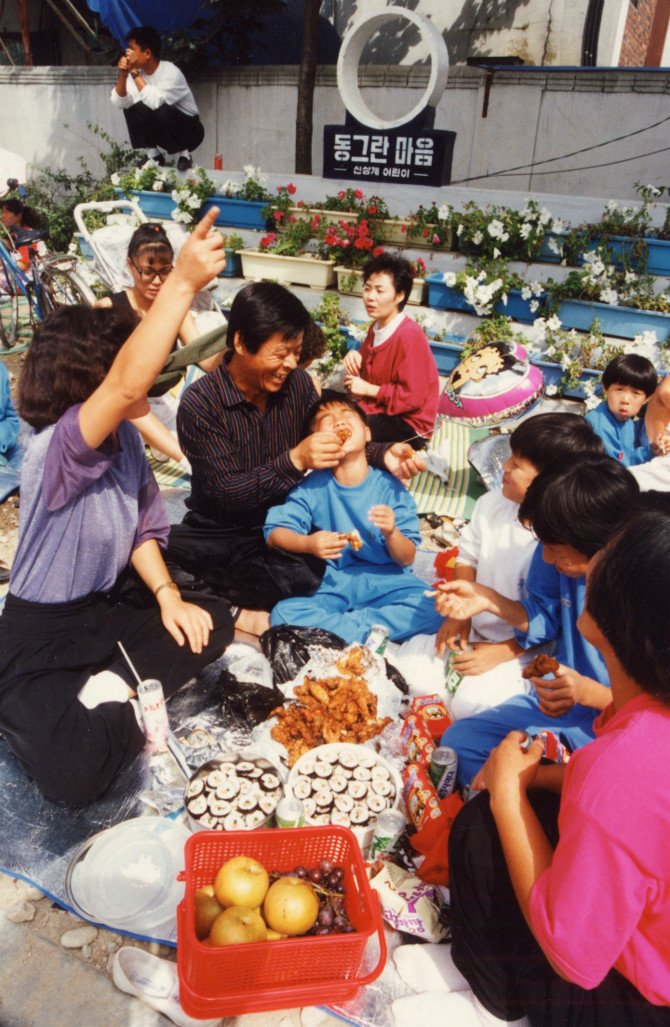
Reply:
x=165, y=15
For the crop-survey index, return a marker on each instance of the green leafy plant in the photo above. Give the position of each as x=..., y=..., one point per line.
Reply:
x=432, y=224
x=575, y=353
x=289, y=243
x=601, y=282
x=253, y=189
x=503, y=232
x=333, y=317
x=484, y=283
x=232, y=241
x=279, y=208
x=190, y=195
x=353, y=201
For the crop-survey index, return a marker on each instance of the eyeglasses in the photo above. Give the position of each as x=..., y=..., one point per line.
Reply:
x=148, y=274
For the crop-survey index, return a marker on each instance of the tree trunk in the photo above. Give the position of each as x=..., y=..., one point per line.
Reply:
x=307, y=78
x=25, y=33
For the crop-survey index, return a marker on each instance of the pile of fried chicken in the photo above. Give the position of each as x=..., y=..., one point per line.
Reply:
x=329, y=709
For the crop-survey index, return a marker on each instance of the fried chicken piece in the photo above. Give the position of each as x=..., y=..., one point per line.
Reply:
x=540, y=665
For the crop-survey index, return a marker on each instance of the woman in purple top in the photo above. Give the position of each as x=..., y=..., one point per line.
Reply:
x=90, y=508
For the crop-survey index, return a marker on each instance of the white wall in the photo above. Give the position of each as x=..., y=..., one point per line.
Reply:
x=249, y=116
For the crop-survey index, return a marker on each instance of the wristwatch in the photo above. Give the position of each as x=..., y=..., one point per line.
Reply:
x=135, y=74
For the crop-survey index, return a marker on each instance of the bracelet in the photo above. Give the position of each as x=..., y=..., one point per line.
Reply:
x=166, y=584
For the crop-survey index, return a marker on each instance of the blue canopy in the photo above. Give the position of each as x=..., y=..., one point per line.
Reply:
x=122, y=15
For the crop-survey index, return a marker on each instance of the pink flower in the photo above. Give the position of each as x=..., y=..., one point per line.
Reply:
x=358, y=194
x=278, y=215
x=340, y=195
x=403, y=228
x=377, y=250
x=290, y=188
x=436, y=240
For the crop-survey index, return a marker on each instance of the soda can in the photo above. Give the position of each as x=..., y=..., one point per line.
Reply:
x=453, y=676
x=154, y=712
x=389, y=826
x=290, y=812
x=442, y=770
x=218, y=161
x=378, y=638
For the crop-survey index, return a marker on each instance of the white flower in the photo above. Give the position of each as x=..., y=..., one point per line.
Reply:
x=609, y=296
x=443, y=212
x=551, y=390
x=249, y=170
x=557, y=226
x=592, y=401
x=538, y=288
x=647, y=338
x=526, y=292
x=449, y=278
x=115, y=178
x=459, y=230
x=612, y=206
x=72, y=248
x=534, y=305
x=158, y=185
x=477, y=238
x=525, y=230
x=194, y=202
x=554, y=323
x=496, y=230
x=545, y=216
x=496, y=252
x=653, y=191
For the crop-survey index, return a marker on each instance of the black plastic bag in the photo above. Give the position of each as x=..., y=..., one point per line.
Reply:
x=288, y=648
x=247, y=702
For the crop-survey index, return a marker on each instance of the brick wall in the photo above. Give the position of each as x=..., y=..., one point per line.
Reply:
x=636, y=33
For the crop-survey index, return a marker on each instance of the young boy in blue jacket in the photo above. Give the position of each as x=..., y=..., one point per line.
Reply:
x=573, y=509
x=363, y=523
x=628, y=382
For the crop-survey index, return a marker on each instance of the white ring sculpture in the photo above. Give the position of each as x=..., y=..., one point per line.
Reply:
x=356, y=39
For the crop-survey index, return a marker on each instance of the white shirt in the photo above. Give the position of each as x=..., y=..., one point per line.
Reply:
x=166, y=85
x=380, y=335
x=499, y=549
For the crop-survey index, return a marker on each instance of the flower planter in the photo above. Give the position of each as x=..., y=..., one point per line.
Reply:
x=237, y=213
x=628, y=250
x=156, y=206
x=233, y=268
x=350, y=282
x=417, y=241
x=447, y=354
x=309, y=213
x=623, y=322
x=84, y=247
x=298, y=270
x=551, y=251
x=553, y=373
x=445, y=297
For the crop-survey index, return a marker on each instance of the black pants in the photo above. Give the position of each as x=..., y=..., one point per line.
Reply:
x=392, y=428
x=166, y=127
x=48, y=652
x=237, y=564
x=495, y=950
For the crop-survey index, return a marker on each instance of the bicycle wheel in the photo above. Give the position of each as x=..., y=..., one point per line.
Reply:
x=9, y=319
x=63, y=288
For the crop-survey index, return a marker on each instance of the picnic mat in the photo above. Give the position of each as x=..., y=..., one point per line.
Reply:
x=450, y=487
x=40, y=839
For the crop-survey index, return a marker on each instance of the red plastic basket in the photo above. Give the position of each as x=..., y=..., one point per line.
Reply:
x=234, y=979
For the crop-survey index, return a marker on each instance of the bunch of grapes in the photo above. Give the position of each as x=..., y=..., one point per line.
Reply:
x=327, y=879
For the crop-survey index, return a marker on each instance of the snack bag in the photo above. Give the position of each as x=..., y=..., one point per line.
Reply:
x=408, y=903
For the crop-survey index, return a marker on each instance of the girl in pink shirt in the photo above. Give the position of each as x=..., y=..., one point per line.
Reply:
x=567, y=922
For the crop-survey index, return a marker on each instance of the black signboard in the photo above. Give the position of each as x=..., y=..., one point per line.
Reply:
x=408, y=154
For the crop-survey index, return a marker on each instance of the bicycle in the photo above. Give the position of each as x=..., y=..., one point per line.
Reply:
x=50, y=282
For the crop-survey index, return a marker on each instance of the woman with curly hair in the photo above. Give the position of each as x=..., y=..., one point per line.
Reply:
x=90, y=508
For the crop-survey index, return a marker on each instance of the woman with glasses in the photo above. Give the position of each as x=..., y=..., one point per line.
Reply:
x=150, y=260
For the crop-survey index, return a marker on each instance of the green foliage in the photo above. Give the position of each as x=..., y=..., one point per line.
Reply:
x=232, y=241
x=331, y=316
x=433, y=224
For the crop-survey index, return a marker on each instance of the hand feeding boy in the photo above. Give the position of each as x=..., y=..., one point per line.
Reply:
x=364, y=585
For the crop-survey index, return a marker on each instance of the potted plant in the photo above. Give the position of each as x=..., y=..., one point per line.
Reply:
x=242, y=205
x=483, y=287
x=351, y=244
x=495, y=232
x=341, y=333
x=430, y=226
x=151, y=185
x=284, y=258
x=232, y=244
x=622, y=300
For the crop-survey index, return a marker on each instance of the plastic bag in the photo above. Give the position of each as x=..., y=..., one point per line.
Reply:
x=247, y=701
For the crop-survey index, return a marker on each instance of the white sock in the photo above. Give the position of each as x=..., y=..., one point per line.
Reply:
x=429, y=968
x=152, y=151
x=103, y=687
x=184, y=153
x=459, y=1008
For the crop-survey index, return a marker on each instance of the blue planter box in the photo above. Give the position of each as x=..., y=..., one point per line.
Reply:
x=445, y=297
x=154, y=205
x=552, y=374
x=628, y=248
x=237, y=213
x=548, y=254
x=623, y=322
x=232, y=213
x=84, y=247
x=447, y=354
x=233, y=268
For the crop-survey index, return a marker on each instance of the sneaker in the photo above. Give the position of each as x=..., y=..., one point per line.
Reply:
x=184, y=163
x=155, y=982
x=143, y=159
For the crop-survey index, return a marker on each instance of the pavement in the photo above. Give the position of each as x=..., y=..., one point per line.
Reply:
x=44, y=984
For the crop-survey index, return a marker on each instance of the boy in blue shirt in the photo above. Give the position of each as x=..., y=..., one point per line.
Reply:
x=574, y=509
x=628, y=382
x=363, y=523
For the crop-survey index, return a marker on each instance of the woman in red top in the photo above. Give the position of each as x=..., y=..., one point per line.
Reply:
x=393, y=377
